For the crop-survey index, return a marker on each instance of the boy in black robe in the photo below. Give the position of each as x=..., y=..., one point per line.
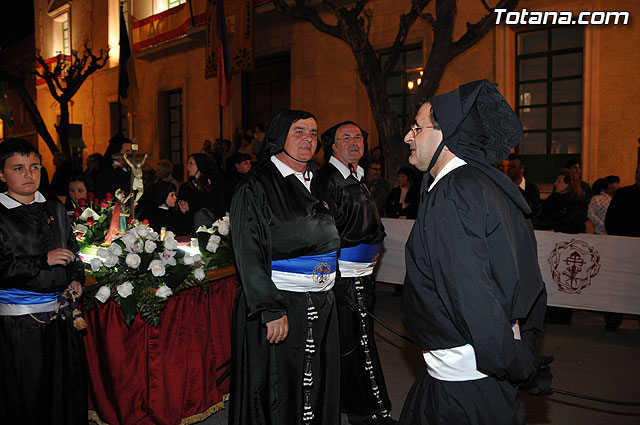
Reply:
x=44, y=377
x=474, y=296
x=363, y=392
x=284, y=344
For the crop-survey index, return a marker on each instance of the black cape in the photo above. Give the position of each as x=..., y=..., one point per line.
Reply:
x=357, y=221
x=44, y=371
x=275, y=218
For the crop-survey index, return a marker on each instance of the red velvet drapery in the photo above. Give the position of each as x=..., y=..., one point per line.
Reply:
x=147, y=375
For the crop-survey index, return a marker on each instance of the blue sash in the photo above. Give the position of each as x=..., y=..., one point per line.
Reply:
x=18, y=296
x=363, y=253
x=305, y=264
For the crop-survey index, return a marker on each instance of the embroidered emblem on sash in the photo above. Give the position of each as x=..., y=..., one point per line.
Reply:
x=321, y=274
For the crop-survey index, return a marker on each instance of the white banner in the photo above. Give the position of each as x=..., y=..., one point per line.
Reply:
x=584, y=271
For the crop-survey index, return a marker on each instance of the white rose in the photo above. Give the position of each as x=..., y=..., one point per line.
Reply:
x=103, y=294
x=81, y=228
x=133, y=260
x=115, y=249
x=197, y=258
x=125, y=289
x=137, y=247
x=199, y=274
x=170, y=244
x=167, y=257
x=128, y=239
x=111, y=260
x=153, y=236
x=213, y=244
x=157, y=268
x=170, y=235
x=223, y=227
x=89, y=213
x=142, y=231
x=189, y=259
x=163, y=292
x=102, y=253
x=96, y=263
x=149, y=246
x=203, y=229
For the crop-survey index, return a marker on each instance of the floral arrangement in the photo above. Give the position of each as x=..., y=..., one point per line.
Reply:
x=91, y=219
x=139, y=271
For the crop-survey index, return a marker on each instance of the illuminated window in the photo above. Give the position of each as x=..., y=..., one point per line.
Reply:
x=174, y=3
x=66, y=45
x=403, y=82
x=549, y=96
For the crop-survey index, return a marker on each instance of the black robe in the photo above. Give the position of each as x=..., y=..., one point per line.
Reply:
x=44, y=371
x=358, y=222
x=276, y=218
x=472, y=271
x=205, y=207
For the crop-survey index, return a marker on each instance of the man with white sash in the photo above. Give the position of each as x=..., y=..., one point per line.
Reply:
x=474, y=296
x=285, y=343
x=340, y=183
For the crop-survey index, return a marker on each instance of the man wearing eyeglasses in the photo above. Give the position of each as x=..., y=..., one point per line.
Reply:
x=340, y=183
x=474, y=297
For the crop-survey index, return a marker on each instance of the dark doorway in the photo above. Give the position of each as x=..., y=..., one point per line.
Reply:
x=266, y=90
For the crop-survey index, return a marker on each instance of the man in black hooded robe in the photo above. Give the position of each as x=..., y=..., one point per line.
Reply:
x=285, y=343
x=363, y=393
x=474, y=296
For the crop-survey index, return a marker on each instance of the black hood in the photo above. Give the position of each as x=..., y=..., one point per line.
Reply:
x=158, y=192
x=205, y=165
x=479, y=126
x=279, y=129
x=329, y=138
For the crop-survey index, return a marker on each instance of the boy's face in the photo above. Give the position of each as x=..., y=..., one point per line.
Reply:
x=22, y=175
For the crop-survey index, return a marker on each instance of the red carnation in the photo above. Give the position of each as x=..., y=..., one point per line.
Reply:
x=77, y=212
x=91, y=221
x=145, y=222
x=82, y=203
x=91, y=196
x=130, y=220
x=109, y=196
x=79, y=235
x=104, y=203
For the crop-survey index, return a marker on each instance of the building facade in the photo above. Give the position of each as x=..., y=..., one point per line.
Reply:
x=573, y=86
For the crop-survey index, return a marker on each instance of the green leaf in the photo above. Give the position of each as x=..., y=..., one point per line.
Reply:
x=129, y=309
x=176, y=275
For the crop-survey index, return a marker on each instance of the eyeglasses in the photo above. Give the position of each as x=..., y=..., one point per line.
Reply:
x=348, y=138
x=416, y=129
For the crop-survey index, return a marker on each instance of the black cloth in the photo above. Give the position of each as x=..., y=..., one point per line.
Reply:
x=171, y=219
x=462, y=403
x=60, y=179
x=531, y=194
x=393, y=207
x=112, y=178
x=44, y=371
x=472, y=267
x=563, y=214
x=623, y=215
x=380, y=190
x=275, y=218
x=357, y=221
x=214, y=201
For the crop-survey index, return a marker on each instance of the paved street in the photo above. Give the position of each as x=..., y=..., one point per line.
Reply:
x=588, y=360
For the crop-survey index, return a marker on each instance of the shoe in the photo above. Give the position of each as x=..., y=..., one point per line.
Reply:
x=375, y=419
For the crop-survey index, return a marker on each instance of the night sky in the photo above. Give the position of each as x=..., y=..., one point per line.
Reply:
x=16, y=22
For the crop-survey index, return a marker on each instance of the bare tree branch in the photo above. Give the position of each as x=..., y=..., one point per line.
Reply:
x=476, y=31
x=486, y=6
x=48, y=77
x=302, y=12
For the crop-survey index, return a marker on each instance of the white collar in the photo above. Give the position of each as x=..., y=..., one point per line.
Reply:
x=344, y=170
x=286, y=171
x=10, y=203
x=449, y=167
x=522, y=184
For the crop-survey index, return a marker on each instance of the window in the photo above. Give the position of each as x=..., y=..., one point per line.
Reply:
x=170, y=129
x=66, y=44
x=549, y=98
x=403, y=82
x=121, y=114
x=174, y=3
